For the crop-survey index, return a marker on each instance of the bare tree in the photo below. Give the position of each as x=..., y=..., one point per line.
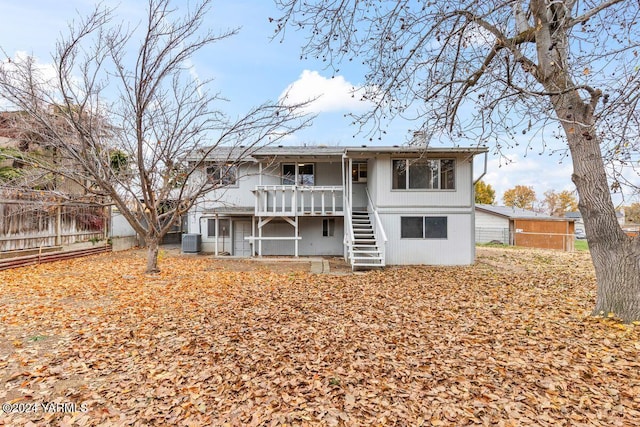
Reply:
x=125, y=111
x=491, y=70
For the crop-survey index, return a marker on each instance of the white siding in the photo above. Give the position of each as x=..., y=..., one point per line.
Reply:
x=312, y=242
x=457, y=249
x=120, y=227
x=328, y=173
x=225, y=244
x=386, y=197
x=487, y=220
x=372, y=180
x=491, y=227
x=239, y=194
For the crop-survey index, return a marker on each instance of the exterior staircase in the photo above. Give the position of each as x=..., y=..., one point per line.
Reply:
x=365, y=253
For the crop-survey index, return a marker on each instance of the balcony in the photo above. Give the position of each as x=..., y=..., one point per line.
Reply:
x=297, y=200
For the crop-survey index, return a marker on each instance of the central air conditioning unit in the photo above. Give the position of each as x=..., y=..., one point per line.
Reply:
x=191, y=243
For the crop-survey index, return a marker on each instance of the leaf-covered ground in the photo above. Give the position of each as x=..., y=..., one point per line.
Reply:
x=505, y=342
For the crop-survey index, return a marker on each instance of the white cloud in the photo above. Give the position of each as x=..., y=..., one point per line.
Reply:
x=329, y=94
x=46, y=71
x=541, y=174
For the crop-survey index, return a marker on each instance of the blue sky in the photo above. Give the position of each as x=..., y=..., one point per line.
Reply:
x=249, y=69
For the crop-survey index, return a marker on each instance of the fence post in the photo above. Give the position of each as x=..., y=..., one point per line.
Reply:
x=58, y=225
x=106, y=224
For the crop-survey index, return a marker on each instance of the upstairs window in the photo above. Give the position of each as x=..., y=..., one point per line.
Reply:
x=298, y=174
x=223, y=174
x=359, y=172
x=423, y=174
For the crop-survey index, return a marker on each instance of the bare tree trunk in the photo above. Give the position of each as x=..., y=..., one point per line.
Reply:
x=152, y=256
x=616, y=256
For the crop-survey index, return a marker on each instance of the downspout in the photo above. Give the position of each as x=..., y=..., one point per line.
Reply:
x=484, y=172
x=473, y=206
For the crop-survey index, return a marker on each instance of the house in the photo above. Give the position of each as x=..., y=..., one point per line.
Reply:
x=521, y=227
x=578, y=221
x=630, y=229
x=375, y=206
x=21, y=144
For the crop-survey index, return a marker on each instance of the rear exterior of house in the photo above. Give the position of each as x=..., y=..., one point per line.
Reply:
x=375, y=206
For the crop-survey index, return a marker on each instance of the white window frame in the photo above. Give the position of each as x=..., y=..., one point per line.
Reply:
x=224, y=173
x=211, y=227
x=424, y=219
x=357, y=167
x=297, y=180
x=436, y=174
x=328, y=227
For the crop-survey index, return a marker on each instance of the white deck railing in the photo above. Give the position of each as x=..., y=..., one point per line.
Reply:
x=296, y=200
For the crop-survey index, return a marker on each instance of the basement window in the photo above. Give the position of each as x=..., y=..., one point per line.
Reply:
x=328, y=227
x=224, y=226
x=423, y=227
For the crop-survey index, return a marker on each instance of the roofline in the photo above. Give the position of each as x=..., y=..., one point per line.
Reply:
x=541, y=218
x=416, y=149
x=334, y=151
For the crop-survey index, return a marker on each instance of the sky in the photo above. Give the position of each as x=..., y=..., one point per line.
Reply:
x=251, y=68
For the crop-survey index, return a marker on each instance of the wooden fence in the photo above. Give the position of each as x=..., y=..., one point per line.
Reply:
x=30, y=224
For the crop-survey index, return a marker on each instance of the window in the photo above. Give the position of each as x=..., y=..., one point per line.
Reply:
x=427, y=227
x=427, y=174
x=328, y=227
x=288, y=174
x=305, y=174
x=223, y=174
x=224, y=226
x=435, y=227
x=359, y=172
x=411, y=227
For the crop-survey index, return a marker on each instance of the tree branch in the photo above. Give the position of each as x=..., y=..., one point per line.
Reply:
x=591, y=13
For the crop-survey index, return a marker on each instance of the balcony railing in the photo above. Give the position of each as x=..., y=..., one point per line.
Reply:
x=296, y=200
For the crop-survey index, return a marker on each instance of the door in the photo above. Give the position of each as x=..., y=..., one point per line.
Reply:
x=241, y=246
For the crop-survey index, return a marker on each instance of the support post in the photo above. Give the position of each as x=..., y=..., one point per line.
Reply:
x=296, y=234
x=217, y=235
x=253, y=234
x=260, y=236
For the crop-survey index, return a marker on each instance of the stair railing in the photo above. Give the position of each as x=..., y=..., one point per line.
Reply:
x=349, y=237
x=378, y=229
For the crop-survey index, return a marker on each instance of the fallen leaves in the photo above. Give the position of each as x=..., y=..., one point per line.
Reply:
x=506, y=342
